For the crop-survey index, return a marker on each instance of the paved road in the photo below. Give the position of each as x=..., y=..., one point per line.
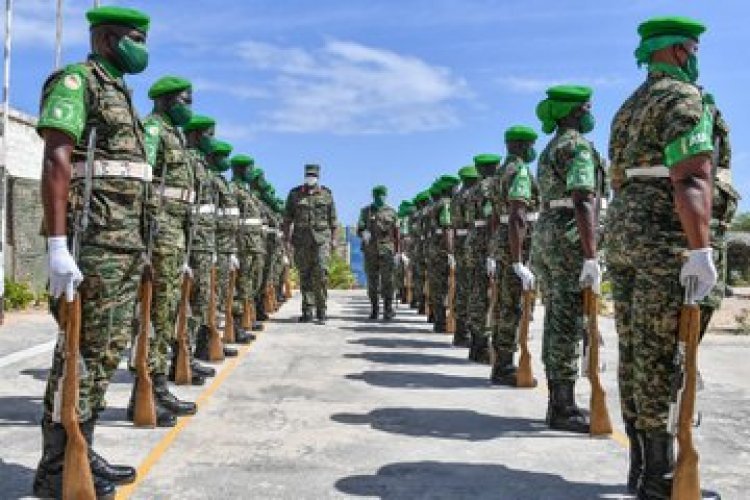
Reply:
x=359, y=409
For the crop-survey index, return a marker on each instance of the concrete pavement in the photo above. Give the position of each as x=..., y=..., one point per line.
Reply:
x=361, y=409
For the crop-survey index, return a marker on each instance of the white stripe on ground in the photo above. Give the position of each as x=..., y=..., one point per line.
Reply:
x=27, y=353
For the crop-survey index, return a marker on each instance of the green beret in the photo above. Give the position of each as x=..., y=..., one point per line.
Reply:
x=422, y=196
x=257, y=173
x=671, y=25
x=121, y=16
x=221, y=148
x=242, y=161
x=487, y=159
x=520, y=133
x=436, y=188
x=468, y=172
x=382, y=190
x=570, y=93
x=312, y=168
x=449, y=180
x=199, y=122
x=168, y=85
x=405, y=208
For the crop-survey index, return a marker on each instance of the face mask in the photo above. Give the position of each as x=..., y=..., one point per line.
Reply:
x=132, y=55
x=221, y=165
x=379, y=200
x=486, y=170
x=180, y=114
x=587, y=123
x=530, y=155
x=311, y=180
x=206, y=143
x=691, y=68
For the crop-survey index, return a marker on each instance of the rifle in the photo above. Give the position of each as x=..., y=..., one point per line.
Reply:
x=600, y=422
x=78, y=481
x=686, y=480
x=489, y=317
x=450, y=326
x=525, y=375
x=287, y=282
x=427, y=298
x=409, y=284
x=183, y=372
x=228, y=304
x=215, y=345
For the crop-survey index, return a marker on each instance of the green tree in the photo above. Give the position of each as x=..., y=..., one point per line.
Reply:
x=741, y=222
x=340, y=275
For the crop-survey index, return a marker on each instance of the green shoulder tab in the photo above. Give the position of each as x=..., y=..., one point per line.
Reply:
x=445, y=214
x=520, y=184
x=63, y=104
x=580, y=175
x=696, y=141
x=152, y=135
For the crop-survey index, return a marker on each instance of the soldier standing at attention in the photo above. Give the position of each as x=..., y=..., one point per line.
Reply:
x=512, y=202
x=257, y=187
x=441, y=258
x=405, y=209
x=418, y=255
x=565, y=243
x=310, y=225
x=469, y=178
x=663, y=140
x=378, y=229
x=80, y=98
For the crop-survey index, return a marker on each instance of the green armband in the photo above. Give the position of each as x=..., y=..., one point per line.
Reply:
x=64, y=103
x=445, y=215
x=520, y=186
x=487, y=209
x=151, y=138
x=696, y=141
x=580, y=174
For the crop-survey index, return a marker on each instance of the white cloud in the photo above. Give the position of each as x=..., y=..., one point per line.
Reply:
x=529, y=85
x=34, y=24
x=349, y=88
x=238, y=91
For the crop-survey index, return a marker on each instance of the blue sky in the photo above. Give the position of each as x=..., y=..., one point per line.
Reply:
x=392, y=92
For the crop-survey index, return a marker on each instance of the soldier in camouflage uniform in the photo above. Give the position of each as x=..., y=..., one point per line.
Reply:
x=481, y=265
x=564, y=244
x=419, y=273
x=514, y=199
x=273, y=225
x=405, y=262
x=469, y=178
x=378, y=229
x=662, y=143
x=258, y=187
x=249, y=243
x=440, y=255
x=75, y=101
x=310, y=224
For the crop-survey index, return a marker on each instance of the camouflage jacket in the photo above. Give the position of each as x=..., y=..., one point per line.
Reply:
x=382, y=223
x=514, y=183
x=312, y=212
x=87, y=96
x=478, y=212
x=227, y=219
x=203, y=224
x=250, y=236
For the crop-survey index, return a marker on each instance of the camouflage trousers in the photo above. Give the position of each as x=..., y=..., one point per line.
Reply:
x=311, y=260
x=380, y=270
x=201, y=264
x=164, y=305
x=438, y=280
x=507, y=314
x=418, y=276
x=223, y=272
x=108, y=294
x=248, y=280
x=477, y=271
x=558, y=261
x=463, y=286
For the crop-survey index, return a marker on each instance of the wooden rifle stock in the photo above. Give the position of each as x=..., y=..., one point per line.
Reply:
x=427, y=298
x=78, y=481
x=215, y=345
x=525, y=374
x=248, y=314
x=409, y=285
x=229, y=336
x=183, y=373
x=287, y=283
x=600, y=423
x=489, y=318
x=450, y=325
x=267, y=303
x=145, y=407
x=686, y=481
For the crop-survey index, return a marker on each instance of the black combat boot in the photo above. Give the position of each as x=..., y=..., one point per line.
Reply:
x=230, y=352
x=479, y=351
x=260, y=310
x=48, y=480
x=116, y=474
x=306, y=316
x=169, y=400
x=388, y=313
x=320, y=315
x=414, y=304
x=203, y=370
x=195, y=377
x=374, y=308
x=241, y=336
x=562, y=412
x=164, y=417
x=503, y=371
x=636, y=456
x=257, y=326
x=201, y=343
x=421, y=309
x=439, y=320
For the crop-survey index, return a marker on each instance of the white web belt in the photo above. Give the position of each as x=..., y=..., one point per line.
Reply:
x=115, y=168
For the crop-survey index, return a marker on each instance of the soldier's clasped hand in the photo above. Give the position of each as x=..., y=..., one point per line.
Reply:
x=64, y=275
x=525, y=275
x=700, y=265
x=591, y=275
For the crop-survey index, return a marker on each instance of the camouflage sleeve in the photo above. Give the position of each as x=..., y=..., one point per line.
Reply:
x=332, y=217
x=289, y=207
x=362, y=223
x=519, y=188
x=581, y=169
x=687, y=125
x=63, y=104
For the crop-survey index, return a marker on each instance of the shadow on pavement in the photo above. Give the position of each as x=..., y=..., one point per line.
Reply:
x=466, y=425
x=15, y=479
x=120, y=376
x=400, y=343
x=407, y=358
x=20, y=410
x=412, y=480
x=418, y=380
x=372, y=327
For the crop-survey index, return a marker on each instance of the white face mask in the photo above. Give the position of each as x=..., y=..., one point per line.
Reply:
x=311, y=180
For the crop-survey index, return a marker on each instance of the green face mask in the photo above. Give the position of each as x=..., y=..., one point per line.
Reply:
x=221, y=165
x=378, y=200
x=691, y=68
x=132, y=56
x=588, y=122
x=206, y=144
x=530, y=155
x=180, y=114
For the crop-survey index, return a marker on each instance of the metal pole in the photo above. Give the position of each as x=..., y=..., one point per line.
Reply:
x=4, y=167
x=97, y=3
x=58, y=34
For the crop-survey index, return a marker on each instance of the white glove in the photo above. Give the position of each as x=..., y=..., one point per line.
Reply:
x=285, y=260
x=214, y=258
x=591, y=275
x=366, y=236
x=405, y=260
x=451, y=261
x=186, y=270
x=234, y=262
x=525, y=274
x=491, y=266
x=700, y=265
x=64, y=275
x=396, y=259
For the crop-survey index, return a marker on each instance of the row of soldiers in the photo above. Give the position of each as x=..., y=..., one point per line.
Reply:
x=116, y=189
x=464, y=250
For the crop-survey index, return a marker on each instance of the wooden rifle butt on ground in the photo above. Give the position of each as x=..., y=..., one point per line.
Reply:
x=183, y=372
x=247, y=313
x=287, y=283
x=450, y=326
x=215, y=345
x=600, y=423
x=229, y=334
x=78, y=481
x=145, y=406
x=525, y=374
